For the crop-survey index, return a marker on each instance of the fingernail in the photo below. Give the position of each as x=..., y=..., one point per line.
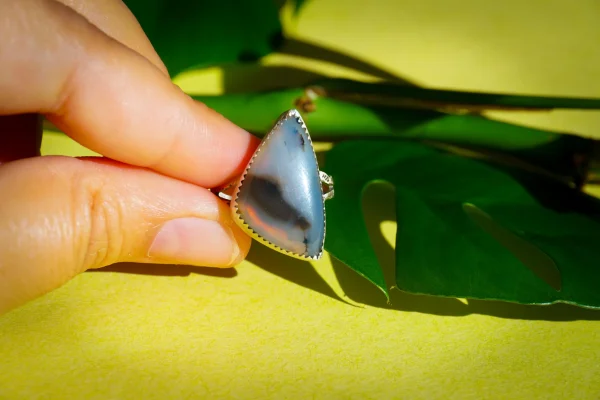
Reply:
x=194, y=241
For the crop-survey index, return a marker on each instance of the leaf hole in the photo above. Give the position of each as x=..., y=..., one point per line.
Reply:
x=532, y=257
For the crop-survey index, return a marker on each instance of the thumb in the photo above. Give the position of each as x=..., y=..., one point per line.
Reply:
x=60, y=216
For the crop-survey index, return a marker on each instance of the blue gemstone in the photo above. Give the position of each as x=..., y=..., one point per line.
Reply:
x=280, y=197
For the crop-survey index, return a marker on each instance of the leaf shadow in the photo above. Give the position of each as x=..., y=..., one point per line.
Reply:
x=252, y=77
x=378, y=207
x=303, y=48
x=565, y=199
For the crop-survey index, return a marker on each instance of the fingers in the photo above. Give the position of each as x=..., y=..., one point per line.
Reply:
x=114, y=18
x=60, y=216
x=20, y=135
x=109, y=98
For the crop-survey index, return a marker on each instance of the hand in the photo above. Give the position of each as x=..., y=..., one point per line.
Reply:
x=87, y=66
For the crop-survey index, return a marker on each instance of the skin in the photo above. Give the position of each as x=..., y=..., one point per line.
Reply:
x=89, y=68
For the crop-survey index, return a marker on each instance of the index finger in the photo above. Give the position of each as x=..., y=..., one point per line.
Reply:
x=109, y=98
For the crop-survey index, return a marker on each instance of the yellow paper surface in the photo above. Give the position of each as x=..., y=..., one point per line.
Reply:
x=279, y=328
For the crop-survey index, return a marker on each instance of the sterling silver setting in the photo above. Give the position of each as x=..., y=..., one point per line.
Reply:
x=328, y=181
x=279, y=200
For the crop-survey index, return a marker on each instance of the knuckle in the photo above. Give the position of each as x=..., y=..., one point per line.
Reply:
x=102, y=243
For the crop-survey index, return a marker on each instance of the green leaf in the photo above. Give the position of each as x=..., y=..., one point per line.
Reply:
x=466, y=228
x=335, y=119
x=198, y=33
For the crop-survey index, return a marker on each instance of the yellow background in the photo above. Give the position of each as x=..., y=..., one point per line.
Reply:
x=280, y=328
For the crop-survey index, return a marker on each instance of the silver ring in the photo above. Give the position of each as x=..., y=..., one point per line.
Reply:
x=279, y=200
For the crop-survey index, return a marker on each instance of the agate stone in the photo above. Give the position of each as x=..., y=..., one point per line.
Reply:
x=280, y=198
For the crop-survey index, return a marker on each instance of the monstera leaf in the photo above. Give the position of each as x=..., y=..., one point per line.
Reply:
x=474, y=226
x=467, y=228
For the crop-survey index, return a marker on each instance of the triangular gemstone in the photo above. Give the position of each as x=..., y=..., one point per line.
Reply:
x=280, y=198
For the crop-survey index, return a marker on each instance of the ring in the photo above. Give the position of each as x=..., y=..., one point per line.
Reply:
x=279, y=199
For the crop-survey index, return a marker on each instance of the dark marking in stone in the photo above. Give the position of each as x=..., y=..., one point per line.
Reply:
x=265, y=192
x=302, y=141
